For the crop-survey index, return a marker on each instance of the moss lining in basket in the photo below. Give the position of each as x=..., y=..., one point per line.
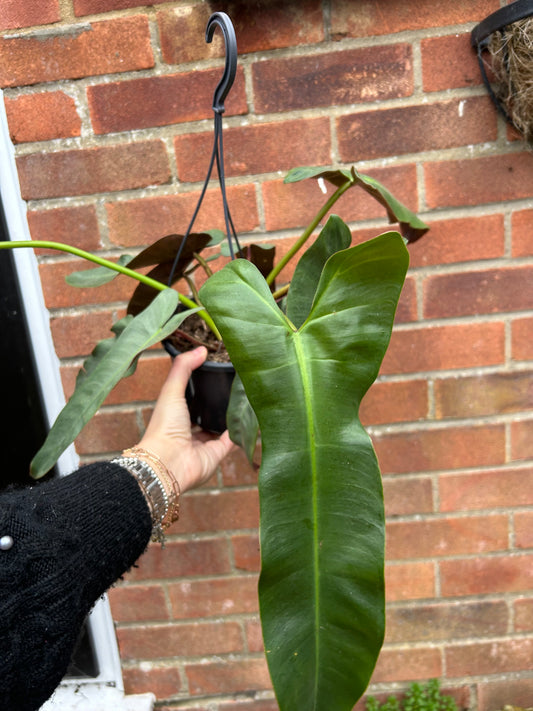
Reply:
x=504, y=44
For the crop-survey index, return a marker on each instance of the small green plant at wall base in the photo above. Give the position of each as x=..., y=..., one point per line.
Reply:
x=418, y=697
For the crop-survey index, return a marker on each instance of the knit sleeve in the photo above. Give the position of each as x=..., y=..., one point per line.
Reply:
x=73, y=537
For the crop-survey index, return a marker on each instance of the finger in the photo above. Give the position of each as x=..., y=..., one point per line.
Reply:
x=171, y=416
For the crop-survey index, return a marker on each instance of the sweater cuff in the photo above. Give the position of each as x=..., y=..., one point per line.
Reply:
x=109, y=518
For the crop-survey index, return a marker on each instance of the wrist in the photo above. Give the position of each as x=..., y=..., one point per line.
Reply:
x=158, y=485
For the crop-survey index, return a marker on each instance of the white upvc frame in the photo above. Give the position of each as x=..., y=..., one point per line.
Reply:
x=106, y=691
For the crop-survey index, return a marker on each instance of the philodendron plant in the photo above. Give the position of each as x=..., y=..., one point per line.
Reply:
x=305, y=355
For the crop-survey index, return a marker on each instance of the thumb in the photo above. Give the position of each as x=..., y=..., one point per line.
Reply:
x=181, y=370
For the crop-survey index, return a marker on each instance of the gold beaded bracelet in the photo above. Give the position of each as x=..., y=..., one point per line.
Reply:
x=160, y=487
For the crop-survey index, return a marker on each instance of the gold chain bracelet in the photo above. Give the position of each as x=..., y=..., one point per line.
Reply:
x=160, y=487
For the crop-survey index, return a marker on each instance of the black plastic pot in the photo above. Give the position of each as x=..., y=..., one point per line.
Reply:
x=208, y=392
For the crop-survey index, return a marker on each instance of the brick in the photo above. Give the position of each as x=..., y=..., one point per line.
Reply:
x=409, y=581
x=164, y=682
x=370, y=20
x=159, y=100
x=212, y=598
x=445, y=537
x=477, y=396
x=77, y=226
x=58, y=294
x=464, y=182
x=414, y=129
x=451, y=241
x=93, y=7
x=522, y=229
x=182, y=29
x=108, y=432
x=14, y=14
x=496, y=695
x=182, y=558
x=445, y=621
x=523, y=525
x=522, y=439
x=295, y=204
x=78, y=334
x=254, y=636
x=336, y=78
x=182, y=35
x=93, y=170
x=481, y=292
x=188, y=639
x=142, y=221
x=449, y=62
x=237, y=471
x=118, y=45
x=309, y=141
x=225, y=510
x=228, y=676
x=523, y=615
x=407, y=309
x=479, y=576
x=246, y=553
x=42, y=117
x=407, y=665
x=494, y=488
x=407, y=496
x=138, y=603
x=435, y=449
x=414, y=350
x=522, y=337
x=388, y=402
x=476, y=659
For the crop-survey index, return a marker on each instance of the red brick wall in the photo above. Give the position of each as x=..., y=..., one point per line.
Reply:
x=109, y=106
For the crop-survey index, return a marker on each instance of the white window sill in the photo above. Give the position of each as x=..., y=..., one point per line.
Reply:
x=96, y=697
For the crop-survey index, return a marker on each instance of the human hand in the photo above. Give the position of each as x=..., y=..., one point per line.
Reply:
x=169, y=433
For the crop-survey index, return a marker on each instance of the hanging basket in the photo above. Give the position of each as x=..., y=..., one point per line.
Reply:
x=504, y=45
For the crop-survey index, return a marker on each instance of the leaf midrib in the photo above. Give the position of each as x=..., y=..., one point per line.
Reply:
x=306, y=385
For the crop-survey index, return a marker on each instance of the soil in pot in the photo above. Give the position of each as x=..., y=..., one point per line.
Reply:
x=193, y=333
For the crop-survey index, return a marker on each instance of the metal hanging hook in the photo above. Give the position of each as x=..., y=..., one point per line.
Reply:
x=222, y=20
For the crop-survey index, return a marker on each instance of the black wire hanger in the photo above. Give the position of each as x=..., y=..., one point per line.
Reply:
x=221, y=20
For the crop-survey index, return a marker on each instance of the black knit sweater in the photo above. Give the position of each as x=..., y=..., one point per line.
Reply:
x=73, y=537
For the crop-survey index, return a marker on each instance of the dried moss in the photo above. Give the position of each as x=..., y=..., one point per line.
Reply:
x=511, y=52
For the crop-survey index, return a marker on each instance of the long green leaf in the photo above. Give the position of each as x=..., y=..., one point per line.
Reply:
x=97, y=276
x=101, y=348
x=411, y=226
x=337, y=177
x=321, y=587
x=334, y=237
x=241, y=420
x=155, y=323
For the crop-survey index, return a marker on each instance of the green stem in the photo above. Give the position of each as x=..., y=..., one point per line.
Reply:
x=41, y=244
x=309, y=230
x=280, y=292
